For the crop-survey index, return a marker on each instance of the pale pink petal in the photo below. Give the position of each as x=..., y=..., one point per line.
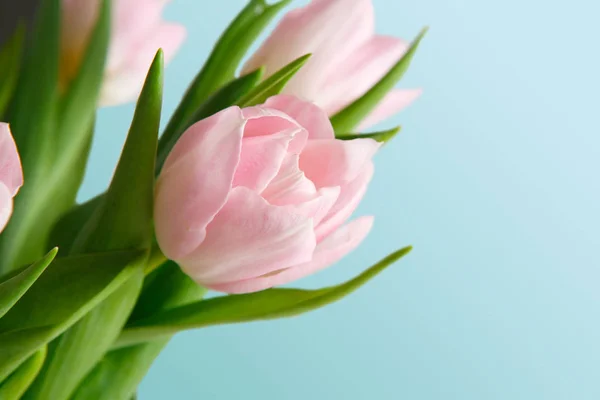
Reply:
x=319, y=207
x=261, y=159
x=350, y=196
x=328, y=252
x=309, y=115
x=123, y=82
x=249, y=238
x=290, y=186
x=336, y=162
x=361, y=71
x=11, y=173
x=329, y=29
x=393, y=102
x=196, y=180
x=6, y=205
x=264, y=121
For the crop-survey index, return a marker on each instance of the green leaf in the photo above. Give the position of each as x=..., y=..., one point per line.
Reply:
x=17, y=383
x=12, y=289
x=10, y=63
x=268, y=304
x=274, y=84
x=351, y=116
x=225, y=97
x=75, y=353
x=120, y=372
x=67, y=291
x=382, y=136
x=32, y=122
x=224, y=59
x=55, y=176
x=124, y=219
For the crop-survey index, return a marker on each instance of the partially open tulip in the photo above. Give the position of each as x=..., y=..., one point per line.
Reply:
x=11, y=174
x=348, y=58
x=138, y=31
x=257, y=197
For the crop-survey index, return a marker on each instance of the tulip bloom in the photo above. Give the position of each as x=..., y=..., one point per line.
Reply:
x=257, y=197
x=11, y=174
x=137, y=33
x=348, y=58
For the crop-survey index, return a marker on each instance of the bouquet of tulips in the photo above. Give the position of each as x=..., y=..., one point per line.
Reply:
x=249, y=186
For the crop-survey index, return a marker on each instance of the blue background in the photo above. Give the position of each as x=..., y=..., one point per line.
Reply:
x=494, y=180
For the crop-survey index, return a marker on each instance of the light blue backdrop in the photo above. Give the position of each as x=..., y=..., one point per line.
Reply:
x=494, y=180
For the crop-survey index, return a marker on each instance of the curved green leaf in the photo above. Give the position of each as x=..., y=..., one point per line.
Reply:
x=274, y=84
x=224, y=59
x=351, y=116
x=16, y=384
x=67, y=291
x=268, y=304
x=12, y=289
x=382, y=136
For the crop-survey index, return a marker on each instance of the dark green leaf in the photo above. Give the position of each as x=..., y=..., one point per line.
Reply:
x=12, y=289
x=382, y=137
x=56, y=176
x=351, y=116
x=124, y=220
x=32, y=122
x=274, y=84
x=225, y=97
x=17, y=383
x=67, y=291
x=268, y=304
x=10, y=62
x=224, y=59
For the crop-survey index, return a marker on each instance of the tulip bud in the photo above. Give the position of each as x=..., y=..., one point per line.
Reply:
x=11, y=174
x=257, y=197
x=137, y=33
x=348, y=58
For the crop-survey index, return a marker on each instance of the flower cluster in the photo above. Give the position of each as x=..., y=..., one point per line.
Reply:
x=252, y=184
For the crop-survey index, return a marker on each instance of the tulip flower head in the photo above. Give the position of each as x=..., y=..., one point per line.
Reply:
x=11, y=174
x=348, y=58
x=138, y=31
x=257, y=197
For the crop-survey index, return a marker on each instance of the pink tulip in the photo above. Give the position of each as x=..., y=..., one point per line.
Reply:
x=137, y=33
x=257, y=197
x=348, y=58
x=11, y=174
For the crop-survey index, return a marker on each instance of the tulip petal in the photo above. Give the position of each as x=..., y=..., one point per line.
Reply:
x=290, y=186
x=319, y=207
x=394, y=102
x=331, y=250
x=196, y=180
x=336, y=162
x=307, y=114
x=361, y=71
x=350, y=196
x=264, y=121
x=11, y=173
x=249, y=238
x=329, y=29
x=261, y=159
x=6, y=205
